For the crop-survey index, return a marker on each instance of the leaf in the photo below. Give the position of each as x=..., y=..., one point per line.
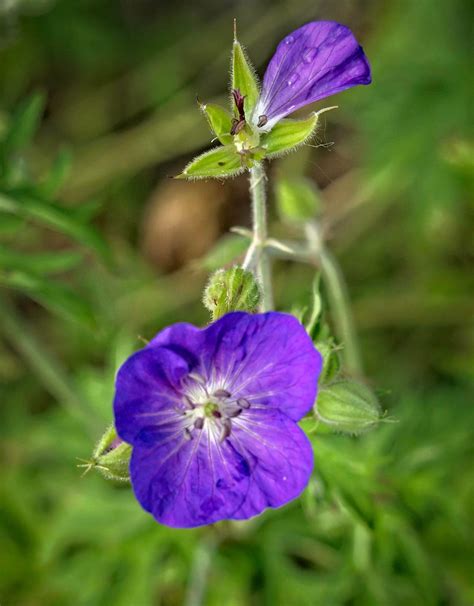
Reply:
x=224, y=252
x=297, y=199
x=39, y=263
x=287, y=134
x=31, y=206
x=219, y=120
x=54, y=297
x=24, y=123
x=244, y=78
x=218, y=163
x=58, y=174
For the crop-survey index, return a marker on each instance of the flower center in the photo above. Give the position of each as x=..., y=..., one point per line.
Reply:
x=209, y=408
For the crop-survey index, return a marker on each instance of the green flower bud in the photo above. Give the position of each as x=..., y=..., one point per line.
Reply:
x=233, y=289
x=348, y=406
x=111, y=457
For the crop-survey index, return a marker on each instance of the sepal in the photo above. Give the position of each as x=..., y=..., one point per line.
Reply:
x=111, y=457
x=219, y=120
x=288, y=134
x=244, y=79
x=219, y=163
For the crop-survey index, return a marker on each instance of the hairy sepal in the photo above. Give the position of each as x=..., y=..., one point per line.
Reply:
x=218, y=163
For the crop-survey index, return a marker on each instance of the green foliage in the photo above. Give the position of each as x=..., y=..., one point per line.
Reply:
x=297, y=199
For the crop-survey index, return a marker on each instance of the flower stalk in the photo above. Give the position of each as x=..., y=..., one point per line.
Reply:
x=257, y=258
x=338, y=298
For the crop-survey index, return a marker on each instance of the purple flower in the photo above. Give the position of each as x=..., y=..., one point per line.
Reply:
x=317, y=60
x=211, y=414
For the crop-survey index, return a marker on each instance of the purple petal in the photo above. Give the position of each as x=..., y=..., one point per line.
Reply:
x=281, y=455
x=146, y=395
x=267, y=359
x=188, y=483
x=317, y=60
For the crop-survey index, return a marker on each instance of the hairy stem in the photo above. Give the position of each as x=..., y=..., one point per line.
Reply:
x=338, y=300
x=257, y=257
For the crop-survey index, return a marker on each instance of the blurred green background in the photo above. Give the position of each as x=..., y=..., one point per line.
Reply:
x=99, y=247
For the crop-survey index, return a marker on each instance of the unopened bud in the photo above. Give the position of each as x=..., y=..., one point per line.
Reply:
x=348, y=406
x=233, y=289
x=111, y=457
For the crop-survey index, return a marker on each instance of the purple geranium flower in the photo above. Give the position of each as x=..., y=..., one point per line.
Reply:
x=317, y=60
x=211, y=414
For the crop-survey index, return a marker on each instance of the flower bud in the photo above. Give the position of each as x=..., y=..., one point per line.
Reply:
x=112, y=456
x=233, y=289
x=348, y=406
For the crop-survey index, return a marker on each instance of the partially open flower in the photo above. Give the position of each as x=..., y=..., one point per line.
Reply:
x=314, y=62
x=212, y=417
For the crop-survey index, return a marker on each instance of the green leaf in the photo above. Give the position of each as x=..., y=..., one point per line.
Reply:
x=297, y=199
x=348, y=406
x=56, y=298
x=24, y=123
x=219, y=120
x=31, y=206
x=244, y=78
x=226, y=250
x=218, y=163
x=39, y=263
x=58, y=173
x=287, y=134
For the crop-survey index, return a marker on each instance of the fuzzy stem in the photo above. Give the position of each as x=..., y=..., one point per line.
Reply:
x=338, y=299
x=257, y=257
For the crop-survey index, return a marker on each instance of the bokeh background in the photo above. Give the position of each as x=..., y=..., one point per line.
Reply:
x=99, y=247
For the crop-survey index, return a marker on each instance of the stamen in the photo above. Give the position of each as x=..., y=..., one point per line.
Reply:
x=225, y=430
x=262, y=120
x=189, y=403
x=234, y=413
x=222, y=393
x=187, y=434
x=195, y=377
x=199, y=423
x=243, y=403
x=217, y=414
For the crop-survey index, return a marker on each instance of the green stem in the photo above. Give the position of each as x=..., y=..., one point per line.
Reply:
x=200, y=568
x=257, y=256
x=338, y=300
x=48, y=370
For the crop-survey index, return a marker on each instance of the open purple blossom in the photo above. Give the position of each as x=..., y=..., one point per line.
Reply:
x=212, y=417
x=315, y=61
